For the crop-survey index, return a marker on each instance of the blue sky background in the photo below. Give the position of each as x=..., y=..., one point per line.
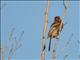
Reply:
x=29, y=16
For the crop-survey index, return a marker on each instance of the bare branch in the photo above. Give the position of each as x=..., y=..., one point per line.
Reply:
x=17, y=42
x=54, y=50
x=2, y=52
x=11, y=34
x=65, y=8
x=11, y=53
x=66, y=44
x=10, y=44
x=44, y=31
x=64, y=4
x=66, y=56
x=20, y=36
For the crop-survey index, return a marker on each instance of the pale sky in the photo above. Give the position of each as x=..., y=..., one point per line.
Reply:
x=29, y=16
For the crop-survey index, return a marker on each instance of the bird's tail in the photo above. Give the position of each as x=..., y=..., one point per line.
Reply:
x=49, y=45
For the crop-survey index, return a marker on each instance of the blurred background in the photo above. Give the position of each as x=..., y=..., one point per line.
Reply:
x=29, y=16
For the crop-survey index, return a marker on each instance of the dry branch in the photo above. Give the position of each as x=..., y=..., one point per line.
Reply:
x=44, y=31
x=54, y=51
x=2, y=52
x=65, y=8
x=17, y=44
x=57, y=40
x=68, y=42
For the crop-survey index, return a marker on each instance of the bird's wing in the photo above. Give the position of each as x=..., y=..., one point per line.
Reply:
x=54, y=25
x=52, y=30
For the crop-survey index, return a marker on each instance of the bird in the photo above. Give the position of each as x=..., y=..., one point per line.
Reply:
x=55, y=29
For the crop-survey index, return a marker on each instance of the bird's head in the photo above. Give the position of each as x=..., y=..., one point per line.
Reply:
x=57, y=18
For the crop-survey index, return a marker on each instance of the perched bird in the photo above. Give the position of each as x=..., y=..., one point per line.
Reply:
x=55, y=29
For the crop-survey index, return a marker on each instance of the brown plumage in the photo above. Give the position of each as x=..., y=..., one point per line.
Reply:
x=55, y=29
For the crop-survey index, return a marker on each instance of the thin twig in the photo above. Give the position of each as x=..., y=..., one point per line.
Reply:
x=11, y=34
x=11, y=38
x=18, y=44
x=54, y=51
x=2, y=51
x=66, y=44
x=65, y=9
x=64, y=4
x=66, y=56
x=11, y=53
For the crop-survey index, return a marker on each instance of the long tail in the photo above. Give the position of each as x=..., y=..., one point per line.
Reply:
x=49, y=45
